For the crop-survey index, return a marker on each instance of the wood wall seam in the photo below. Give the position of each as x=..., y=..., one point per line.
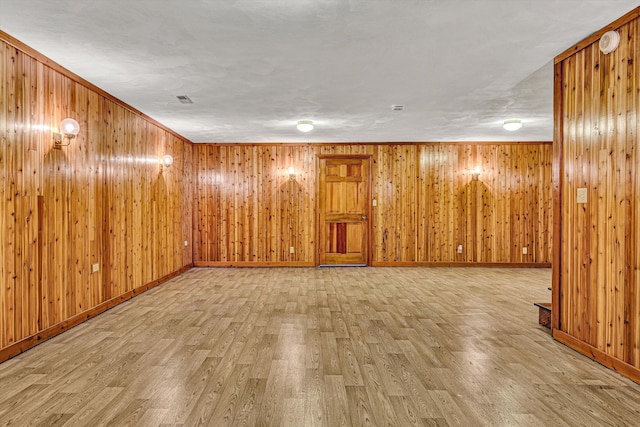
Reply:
x=557, y=199
x=358, y=144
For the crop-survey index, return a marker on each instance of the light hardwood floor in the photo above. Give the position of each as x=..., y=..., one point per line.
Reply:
x=319, y=347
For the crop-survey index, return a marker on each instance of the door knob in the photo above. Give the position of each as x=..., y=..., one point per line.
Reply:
x=364, y=217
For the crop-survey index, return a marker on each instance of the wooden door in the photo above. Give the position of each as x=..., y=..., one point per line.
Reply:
x=343, y=210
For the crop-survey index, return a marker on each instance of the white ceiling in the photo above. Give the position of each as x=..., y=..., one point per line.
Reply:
x=255, y=67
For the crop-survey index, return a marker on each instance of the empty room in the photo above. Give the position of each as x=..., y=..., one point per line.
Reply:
x=319, y=213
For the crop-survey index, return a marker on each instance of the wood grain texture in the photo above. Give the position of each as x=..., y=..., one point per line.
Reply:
x=319, y=347
x=248, y=210
x=597, y=279
x=101, y=200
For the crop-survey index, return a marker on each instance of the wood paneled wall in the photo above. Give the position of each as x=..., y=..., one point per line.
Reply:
x=102, y=200
x=249, y=211
x=597, y=269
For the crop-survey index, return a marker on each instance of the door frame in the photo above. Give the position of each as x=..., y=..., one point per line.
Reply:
x=369, y=228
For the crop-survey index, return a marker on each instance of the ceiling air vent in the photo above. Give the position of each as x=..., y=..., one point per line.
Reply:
x=397, y=107
x=184, y=99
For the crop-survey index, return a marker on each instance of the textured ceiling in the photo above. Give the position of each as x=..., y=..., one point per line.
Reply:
x=253, y=68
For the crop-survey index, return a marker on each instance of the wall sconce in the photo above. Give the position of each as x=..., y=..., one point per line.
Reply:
x=475, y=173
x=70, y=129
x=292, y=173
x=166, y=161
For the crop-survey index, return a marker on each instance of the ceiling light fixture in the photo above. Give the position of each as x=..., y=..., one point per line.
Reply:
x=304, y=125
x=512, y=125
x=609, y=42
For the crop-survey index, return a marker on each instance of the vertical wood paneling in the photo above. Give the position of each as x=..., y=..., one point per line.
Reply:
x=599, y=255
x=249, y=211
x=101, y=200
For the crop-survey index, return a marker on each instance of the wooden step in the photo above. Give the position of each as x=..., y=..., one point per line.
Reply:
x=544, y=313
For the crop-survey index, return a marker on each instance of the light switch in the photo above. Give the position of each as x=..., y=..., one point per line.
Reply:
x=582, y=195
x=374, y=202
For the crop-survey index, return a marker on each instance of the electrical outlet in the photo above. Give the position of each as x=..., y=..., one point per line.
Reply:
x=95, y=267
x=524, y=250
x=186, y=243
x=292, y=250
x=459, y=249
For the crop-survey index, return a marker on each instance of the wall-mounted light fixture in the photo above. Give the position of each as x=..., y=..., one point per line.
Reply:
x=609, y=42
x=292, y=173
x=475, y=173
x=512, y=125
x=69, y=129
x=166, y=161
x=305, y=125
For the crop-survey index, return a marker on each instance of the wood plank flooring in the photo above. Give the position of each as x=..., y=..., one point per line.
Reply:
x=319, y=347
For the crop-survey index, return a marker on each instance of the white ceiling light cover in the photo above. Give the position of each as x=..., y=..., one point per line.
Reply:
x=609, y=42
x=512, y=125
x=305, y=125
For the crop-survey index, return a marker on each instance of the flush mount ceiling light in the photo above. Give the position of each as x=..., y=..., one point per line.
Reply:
x=304, y=125
x=609, y=42
x=512, y=125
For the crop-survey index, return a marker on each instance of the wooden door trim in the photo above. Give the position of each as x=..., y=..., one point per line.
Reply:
x=368, y=158
x=558, y=170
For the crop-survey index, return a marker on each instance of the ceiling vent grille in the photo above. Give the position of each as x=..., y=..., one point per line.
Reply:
x=397, y=107
x=184, y=99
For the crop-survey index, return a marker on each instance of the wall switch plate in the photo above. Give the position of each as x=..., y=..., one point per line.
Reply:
x=292, y=250
x=582, y=195
x=95, y=267
x=374, y=202
x=186, y=243
x=524, y=250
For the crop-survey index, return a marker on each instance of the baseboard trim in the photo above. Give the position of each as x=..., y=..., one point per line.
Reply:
x=50, y=332
x=461, y=264
x=374, y=264
x=253, y=264
x=617, y=365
